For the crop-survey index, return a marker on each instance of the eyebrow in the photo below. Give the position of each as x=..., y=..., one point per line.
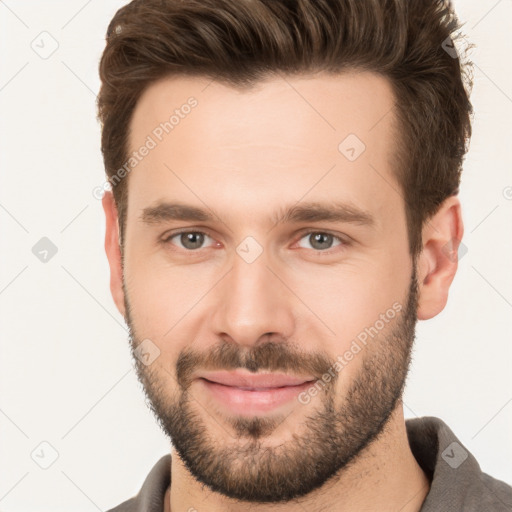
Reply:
x=303, y=212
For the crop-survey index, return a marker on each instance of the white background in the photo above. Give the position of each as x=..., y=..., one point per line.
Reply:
x=65, y=371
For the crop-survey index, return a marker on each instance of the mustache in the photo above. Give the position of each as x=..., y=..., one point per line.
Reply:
x=270, y=356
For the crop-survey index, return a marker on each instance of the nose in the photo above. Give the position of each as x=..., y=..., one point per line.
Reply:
x=252, y=301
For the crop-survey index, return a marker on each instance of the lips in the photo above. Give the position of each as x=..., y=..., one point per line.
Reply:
x=247, y=395
x=248, y=381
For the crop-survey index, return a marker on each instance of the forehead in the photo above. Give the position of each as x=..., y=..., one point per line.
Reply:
x=324, y=136
x=332, y=104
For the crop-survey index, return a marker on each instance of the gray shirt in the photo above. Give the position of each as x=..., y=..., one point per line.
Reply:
x=457, y=482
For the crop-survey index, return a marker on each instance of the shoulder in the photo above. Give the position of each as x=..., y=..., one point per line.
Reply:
x=457, y=481
x=496, y=495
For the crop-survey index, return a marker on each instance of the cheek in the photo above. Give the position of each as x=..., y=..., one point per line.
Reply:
x=350, y=311
x=343, y=300
x=167, y=302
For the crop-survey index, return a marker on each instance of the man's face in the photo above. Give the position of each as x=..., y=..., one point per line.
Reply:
x=329, y=301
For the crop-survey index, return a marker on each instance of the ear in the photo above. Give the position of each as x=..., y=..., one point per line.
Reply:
x=113, y=251
x=437, y=263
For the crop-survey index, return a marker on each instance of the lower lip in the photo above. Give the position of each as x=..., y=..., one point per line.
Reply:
x=246, y=402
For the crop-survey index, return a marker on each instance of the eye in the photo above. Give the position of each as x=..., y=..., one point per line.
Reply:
x=189, y=240
x=321, y=240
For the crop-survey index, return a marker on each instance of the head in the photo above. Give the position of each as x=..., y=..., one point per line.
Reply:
x=284, y=180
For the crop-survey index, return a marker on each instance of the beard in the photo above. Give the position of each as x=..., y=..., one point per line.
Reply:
x=330, y=438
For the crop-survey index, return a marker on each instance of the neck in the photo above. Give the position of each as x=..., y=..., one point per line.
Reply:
x=385, y=477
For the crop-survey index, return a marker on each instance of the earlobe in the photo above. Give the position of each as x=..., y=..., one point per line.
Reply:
x=113, y=251
x=437, y=263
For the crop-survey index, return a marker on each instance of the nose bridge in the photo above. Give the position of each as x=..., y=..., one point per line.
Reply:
x=251, y=301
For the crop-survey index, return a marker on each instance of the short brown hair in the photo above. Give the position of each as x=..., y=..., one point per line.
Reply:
x=240, y=42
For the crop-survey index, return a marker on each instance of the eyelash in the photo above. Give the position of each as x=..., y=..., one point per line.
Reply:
x=302, y=234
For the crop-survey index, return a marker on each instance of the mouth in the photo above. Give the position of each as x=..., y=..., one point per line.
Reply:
x=249, y=394
x=247, y=380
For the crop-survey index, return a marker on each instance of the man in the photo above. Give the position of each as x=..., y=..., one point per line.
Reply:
x=284, y=209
